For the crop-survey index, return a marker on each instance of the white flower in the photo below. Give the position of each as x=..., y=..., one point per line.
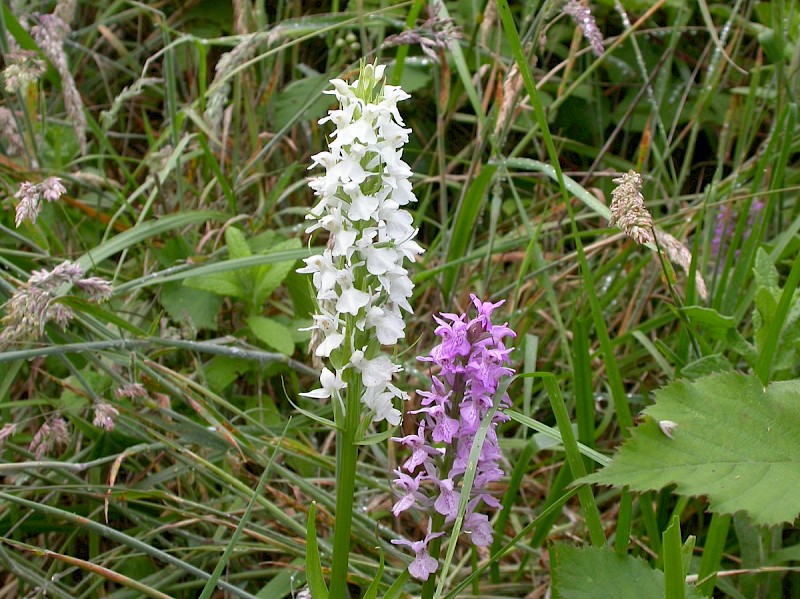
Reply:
x=375, y=372
x=388, y=324
x=323, y=271
x=328, y=324
x=360, y=278
x=352, y=300
x=380, y=403
x=332, y=385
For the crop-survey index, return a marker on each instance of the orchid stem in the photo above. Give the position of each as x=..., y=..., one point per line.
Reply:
x=346, y=461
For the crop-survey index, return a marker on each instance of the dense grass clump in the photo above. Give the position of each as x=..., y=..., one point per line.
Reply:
x=615, y=182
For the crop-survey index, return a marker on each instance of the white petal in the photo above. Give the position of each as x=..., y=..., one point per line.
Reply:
x=331, y=342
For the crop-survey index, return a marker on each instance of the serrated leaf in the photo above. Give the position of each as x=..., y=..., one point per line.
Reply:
x=766, y=275
x=237, y=244
x=705, y=366
x=273, y=333
x=591, y=572
x=735, y=442
x=710, y=320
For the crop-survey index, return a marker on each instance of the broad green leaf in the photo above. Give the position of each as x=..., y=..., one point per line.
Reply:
x=705, y=366
x=237, y=244
x=199, y=307
x=269, y=276
x=295, y=95
x=221, y=283
x=592, y=572
x=735, y=442
x=766, y=274
x=273, y=333
x=221, y=371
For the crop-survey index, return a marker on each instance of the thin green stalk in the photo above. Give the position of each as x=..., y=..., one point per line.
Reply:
x=402, y=51
x=437, y=520
x=574, y=459
x=624, y=524
x=346, y=462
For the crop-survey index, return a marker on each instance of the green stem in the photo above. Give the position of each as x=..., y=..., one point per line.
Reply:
x=437, y=520
x=346, y=460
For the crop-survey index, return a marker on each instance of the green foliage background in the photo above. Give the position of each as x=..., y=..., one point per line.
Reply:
x=190, y=197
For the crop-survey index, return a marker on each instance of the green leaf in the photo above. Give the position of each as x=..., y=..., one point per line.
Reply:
x=372, y=591
x=316, y=582
x=269, y=276
x=197, y=306
x=221, y=371
x=237, y=245
x=466, y=218
x=735, y=442
x=396, y=590
x=272, y=333
x=142, y=231
x=376, y=437
x=766, y=274
x=221, y=283
x=297, y=94
x=674, y=577
x=712, y=322
x=591, y=572
x=706, y=365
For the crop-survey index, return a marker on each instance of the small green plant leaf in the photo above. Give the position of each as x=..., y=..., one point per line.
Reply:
x=372, y=591
x=711, y=321
x=316, y=582
x=591, y=572
x=467, y=215
x=237, y=244
x=303, y=92
x=734, y=442
x=674, y=585
x=272, y=333
x=705, y=366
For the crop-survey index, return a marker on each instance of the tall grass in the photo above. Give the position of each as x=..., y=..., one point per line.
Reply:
x=188, y=195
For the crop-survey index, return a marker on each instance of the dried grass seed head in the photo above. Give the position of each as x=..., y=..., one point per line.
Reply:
x=23, y=67
x=9, y=132
x=50, y=32
x=679, y=254
x=628, y=211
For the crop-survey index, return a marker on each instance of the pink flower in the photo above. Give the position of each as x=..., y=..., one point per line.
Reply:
x=423, y=565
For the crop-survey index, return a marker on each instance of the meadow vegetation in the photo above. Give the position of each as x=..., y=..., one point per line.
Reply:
x=608, y=187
